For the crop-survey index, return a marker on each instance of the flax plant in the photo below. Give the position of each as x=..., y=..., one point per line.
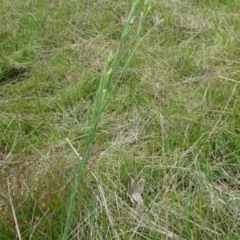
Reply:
x=102, y=97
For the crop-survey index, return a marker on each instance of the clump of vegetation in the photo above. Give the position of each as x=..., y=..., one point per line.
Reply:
x=93, y=101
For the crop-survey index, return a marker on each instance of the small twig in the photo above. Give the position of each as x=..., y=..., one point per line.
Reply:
x=13, y=211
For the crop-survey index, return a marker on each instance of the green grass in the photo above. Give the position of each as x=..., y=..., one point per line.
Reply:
x=171, y=117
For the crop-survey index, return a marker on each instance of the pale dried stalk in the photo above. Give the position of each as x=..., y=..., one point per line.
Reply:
x=13, y=212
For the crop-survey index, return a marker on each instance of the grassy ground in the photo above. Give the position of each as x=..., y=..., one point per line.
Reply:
x=172, y=120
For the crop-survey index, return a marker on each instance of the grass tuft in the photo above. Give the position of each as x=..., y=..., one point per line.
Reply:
x=90, y=100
